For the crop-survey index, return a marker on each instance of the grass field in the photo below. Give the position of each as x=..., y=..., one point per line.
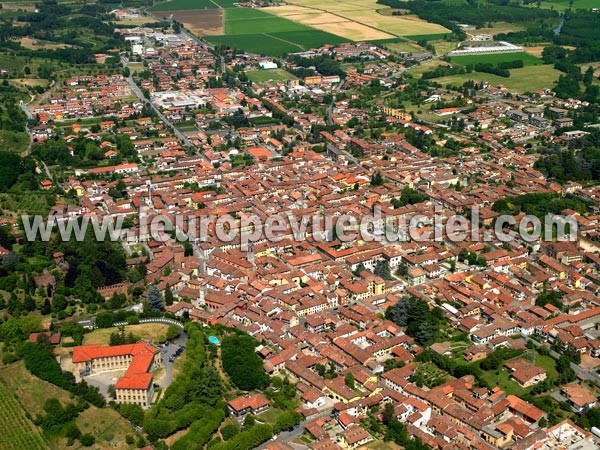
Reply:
x=527, y=79
x=148, y=331
x=14, y=141
x=562, y=5
x=16, y=431
x=262, y=76
x=527, y=58
x=178, y=5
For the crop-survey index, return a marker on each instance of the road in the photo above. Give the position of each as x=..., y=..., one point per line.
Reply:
x=290, y=436
x=139, y=94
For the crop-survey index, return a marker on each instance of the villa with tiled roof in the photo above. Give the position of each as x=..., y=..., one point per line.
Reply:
x=137, y=359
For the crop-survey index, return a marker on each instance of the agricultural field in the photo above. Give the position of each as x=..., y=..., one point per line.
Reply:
x=179, y=5
x=263, y=76
x=373, y=15
x=201, y=22
x=526, y=79
x=527, y=58
x=329, y=22
x=30, y=202
x=105, y=424
x=17, y=432
x=260, y=32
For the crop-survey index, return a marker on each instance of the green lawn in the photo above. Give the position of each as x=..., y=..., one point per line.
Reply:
x=501, y=379
x=178, y=5
x=547, y=363
x=262, y=76
x=528, y=59
x=532, y=78
x=269, y=416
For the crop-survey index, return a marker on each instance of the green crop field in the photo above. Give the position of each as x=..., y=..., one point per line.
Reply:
x=255, y=43
x=527, y=58
x=179, y=5
x=16, y=431
x=251, y=21
x=259, y=32
x=309, y=38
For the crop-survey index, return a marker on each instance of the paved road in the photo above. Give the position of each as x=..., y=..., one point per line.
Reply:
x=166, y=353
x=290, y=436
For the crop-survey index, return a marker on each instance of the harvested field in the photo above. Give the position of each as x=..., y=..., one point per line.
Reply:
x=201, y=22
x=330, y=23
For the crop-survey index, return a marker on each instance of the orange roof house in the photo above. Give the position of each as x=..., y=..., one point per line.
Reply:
x=243, y=405
x=137, y=359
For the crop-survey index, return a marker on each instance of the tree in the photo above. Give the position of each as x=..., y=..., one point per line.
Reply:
x=377, y=179
x=172, y=332
x=87, y=440
x=421, y=322
x=382, y=269
x=349, y=380
x=242, y=364
x=168, y=295
x=156, y=301
x=249, y=421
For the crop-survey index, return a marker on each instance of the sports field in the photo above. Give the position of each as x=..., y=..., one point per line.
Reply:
x=527, y=58
x=263, y=76
x=526, y=79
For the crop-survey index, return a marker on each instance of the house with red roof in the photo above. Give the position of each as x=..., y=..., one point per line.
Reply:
x=254, y=404
x=138, y=360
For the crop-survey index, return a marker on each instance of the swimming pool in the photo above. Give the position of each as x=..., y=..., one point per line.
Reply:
x=213, y=340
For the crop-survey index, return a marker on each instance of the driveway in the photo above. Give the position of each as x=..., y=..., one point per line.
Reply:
x=168, y=351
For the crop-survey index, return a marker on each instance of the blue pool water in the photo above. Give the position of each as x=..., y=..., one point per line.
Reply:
x=213, y=340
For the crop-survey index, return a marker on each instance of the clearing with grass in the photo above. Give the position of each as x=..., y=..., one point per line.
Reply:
x=526, y=79
x=527, y=58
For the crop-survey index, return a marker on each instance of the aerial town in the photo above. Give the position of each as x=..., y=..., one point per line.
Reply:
x=319, y=232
